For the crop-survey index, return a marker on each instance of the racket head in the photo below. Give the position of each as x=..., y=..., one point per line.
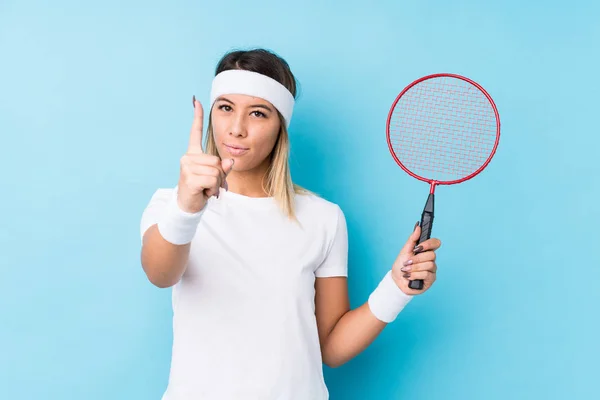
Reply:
x=443, y=129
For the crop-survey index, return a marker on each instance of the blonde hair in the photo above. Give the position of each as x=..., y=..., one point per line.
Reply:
x=278, y=179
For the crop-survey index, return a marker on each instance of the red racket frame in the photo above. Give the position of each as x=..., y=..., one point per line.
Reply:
x=433, y=183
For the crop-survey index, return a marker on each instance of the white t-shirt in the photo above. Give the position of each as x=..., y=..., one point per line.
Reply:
x=244, y=322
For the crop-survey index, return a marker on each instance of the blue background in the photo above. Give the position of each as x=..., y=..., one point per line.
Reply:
x=95, y=110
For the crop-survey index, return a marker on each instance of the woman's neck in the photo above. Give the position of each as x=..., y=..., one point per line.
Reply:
x=248, y=183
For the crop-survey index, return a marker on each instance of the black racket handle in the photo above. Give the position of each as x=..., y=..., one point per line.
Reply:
x=426, y=226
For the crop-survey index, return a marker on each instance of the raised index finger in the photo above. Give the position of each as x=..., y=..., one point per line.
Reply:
x=195, y=144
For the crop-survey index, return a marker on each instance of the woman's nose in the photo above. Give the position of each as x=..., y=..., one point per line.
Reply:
x=238, y=127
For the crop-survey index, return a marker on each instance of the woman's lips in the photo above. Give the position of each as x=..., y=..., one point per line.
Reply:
x=236, y=150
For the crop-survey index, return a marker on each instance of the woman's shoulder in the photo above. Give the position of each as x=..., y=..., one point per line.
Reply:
x=323, y=217
x=163, y=192
x=313, y=205
x=160, y=195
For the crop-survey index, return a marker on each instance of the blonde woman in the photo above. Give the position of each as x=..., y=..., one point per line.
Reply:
x=258, y=265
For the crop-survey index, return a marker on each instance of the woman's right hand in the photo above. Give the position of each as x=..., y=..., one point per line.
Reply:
x=201, y=175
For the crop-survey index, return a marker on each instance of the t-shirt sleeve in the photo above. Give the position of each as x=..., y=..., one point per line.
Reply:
x=336, y=258
x=155, y=208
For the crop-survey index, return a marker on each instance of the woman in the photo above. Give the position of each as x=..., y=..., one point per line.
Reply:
x=257, y=264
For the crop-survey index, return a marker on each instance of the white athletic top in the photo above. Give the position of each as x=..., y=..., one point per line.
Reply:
x=244, y=322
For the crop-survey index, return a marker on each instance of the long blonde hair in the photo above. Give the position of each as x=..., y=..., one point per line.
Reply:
x=278, y=180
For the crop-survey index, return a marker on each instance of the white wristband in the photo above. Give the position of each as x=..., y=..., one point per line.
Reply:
x=387, y=300
x=177, y=226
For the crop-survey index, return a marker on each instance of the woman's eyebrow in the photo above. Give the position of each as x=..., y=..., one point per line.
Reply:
x=252, y=106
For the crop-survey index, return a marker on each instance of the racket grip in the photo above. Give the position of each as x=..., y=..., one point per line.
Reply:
x=426, y=227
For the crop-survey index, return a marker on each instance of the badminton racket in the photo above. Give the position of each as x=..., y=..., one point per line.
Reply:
x=442, y=129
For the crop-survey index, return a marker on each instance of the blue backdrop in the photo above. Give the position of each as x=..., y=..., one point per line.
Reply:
x=95, y=110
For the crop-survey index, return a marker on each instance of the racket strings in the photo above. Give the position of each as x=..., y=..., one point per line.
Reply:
x=443, y=128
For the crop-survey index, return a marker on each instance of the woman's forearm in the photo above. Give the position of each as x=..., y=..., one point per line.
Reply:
x=163, y=262
x=353, y=333
x=357, y=328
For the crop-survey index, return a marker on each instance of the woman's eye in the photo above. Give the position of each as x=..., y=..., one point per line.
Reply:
x=258, y=114
x=225, y=107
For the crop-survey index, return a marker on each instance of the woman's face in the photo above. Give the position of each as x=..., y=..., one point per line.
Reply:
x=245, y=128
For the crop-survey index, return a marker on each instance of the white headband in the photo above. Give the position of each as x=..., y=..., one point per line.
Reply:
x=237, y=81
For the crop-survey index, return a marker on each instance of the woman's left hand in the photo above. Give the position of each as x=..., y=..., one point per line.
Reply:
x=416, y=262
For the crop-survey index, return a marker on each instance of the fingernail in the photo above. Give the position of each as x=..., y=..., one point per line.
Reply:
x=418, y=249
x=406, y=275
x=417, y=224
x=194, y=101
x=407, y=262
x=405, y=269
x=226, y=186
